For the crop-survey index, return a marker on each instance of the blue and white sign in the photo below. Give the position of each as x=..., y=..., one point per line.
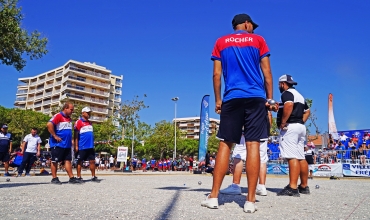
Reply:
x=356, y=170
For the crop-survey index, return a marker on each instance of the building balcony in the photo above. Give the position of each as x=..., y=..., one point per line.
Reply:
x=22, y=92
x=82, y=98
x=117, y=99
x=88, y=73
x=46, y=102
x=56, y=91
x=99, y=110
x=32, y=91
x=30, y=99
x=118, y=84
x=85, y=90
x=96, y=118
x=119, y=92
x=49, y=86
x=49, y=78
x=37, y=105
x=59, y=75
x=33, y=83
x=87, y=82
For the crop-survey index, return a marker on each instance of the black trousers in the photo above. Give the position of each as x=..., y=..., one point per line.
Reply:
x=27, y=162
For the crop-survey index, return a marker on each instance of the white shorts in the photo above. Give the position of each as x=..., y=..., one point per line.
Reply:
x=240, y=151
x=292, y=141
x=311, y=167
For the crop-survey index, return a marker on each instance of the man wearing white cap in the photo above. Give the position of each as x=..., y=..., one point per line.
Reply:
x=84, y=143
x=293, y=113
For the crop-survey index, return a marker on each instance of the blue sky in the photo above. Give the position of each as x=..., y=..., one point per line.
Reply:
x=163, y=48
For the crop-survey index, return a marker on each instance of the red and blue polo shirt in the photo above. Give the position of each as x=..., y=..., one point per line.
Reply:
x=240, y=54
x=63, y=129
x=85, y=134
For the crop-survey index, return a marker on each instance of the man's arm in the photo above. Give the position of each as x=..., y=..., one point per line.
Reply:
x=217, y=71
x=23, y=146
x=10, y=146
x=306, y=114
x=38, y=149
x=76, y=139
x=50, y=127
x=287, y=111
x=266, y=70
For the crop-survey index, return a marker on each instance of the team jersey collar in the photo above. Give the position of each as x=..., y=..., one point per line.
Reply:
x=82, y=119
x=240, y=32
x=63, y=114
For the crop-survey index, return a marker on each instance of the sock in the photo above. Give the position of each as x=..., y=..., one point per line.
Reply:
x=235, y=185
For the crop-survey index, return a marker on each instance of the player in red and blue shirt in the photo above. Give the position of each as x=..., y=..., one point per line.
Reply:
x=84, y=143
x=60, y=129
x=240, y=57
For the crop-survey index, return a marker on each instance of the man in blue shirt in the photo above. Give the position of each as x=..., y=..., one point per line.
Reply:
x=84, y=143
x=239, y=57
x=60, y=129
x=5, y=147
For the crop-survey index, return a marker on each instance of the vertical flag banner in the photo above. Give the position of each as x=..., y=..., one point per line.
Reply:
x=204, y=128
x=332, y=127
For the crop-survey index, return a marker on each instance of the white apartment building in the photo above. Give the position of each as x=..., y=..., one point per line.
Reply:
x=86, y=82
x=191, y=125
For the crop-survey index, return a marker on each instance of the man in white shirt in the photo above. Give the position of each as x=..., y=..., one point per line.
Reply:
x=343, y=137
x=111, y=162
x=30, y=150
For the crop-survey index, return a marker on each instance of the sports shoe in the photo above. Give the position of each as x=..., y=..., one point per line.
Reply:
x=211, y=203
x=233, y=189
x=288, y=191
x=305, y=190
x=250, y=207
x=95, y=179
x=261, y=191
x=19, y=175
x=74, y=180
x=27, y=175
x=56, y=181
x=80, y=179
x=7, y=174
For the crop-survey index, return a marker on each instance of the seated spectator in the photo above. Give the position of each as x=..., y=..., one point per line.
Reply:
x=17, y=159
x=362, y=152
x=343, y=137
x=211, y=165
x=43, y=171
x=354, y=138
x=340, y=150
x=325, y=155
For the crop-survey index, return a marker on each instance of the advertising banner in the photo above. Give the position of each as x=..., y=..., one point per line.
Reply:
x=327, y=170
x=278, y=169
x=204, y=128
x=356, y=170
x=122, y=154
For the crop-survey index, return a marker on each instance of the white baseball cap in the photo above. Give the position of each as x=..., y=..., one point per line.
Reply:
x=86, y=109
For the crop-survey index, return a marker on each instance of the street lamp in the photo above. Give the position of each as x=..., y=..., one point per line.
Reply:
x=175, y=99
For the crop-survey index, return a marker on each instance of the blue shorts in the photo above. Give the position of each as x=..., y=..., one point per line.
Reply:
x=248, y=112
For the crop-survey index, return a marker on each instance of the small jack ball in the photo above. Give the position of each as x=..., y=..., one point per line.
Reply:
x=317, y=187
x=7, y=180
x=200, y=183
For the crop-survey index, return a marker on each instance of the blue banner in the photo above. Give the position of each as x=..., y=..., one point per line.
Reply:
x=280, y=169
x=204, y=128
x=356, y=170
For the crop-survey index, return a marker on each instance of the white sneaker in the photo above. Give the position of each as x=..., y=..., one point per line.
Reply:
x=232, y=190
x=250, y=207
x=261, y=191
x=211, y=203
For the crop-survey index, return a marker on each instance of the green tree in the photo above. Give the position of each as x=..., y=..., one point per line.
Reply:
x=187, y=146
x=161, y=142
x=16, y=41
x=312, y=123
x=21, y=122
x=213, y=143
x=104, y=135
x=128, y=113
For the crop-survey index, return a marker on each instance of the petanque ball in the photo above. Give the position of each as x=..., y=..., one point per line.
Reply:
x=200, y=183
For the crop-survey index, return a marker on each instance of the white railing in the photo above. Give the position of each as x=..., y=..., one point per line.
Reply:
x=39, y=96
x=47, y=93
x=89, y=72
x=33, y=83
x=59, y=74
x=96, y=118
x=105, y=85
x=47, y=102
x=49, y=77
x=117, y=99
x=56, y=91
x=21, y=99
x=49, y=86
x=37, y=105
x=85, y=98
x=31, y=91
x=31, y=99
x=58, y=83
x=99, y=110
x=41, y=81
x=21, y=91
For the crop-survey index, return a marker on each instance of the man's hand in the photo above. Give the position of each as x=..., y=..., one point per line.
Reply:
x=76, y=149
x=38, y=154
x=218, y=107
x=274, y=107
x=58, y=139
x=283, y=126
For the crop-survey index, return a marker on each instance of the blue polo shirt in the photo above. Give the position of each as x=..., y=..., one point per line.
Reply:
x=240, y=54
x=5, y=140
x=85, y=134
x=63, y=129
